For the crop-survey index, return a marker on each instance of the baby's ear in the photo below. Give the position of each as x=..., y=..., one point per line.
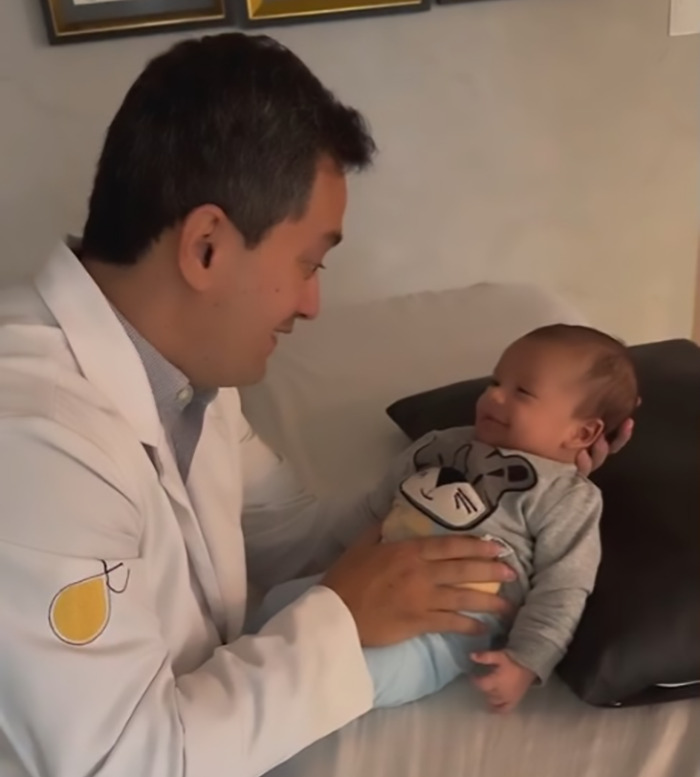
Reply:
x=587, y=433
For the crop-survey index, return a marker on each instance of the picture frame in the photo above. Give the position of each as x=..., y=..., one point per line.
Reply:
x=263, y=13
x=71, y=21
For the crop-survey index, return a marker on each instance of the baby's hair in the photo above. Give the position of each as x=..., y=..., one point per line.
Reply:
x=614, y=393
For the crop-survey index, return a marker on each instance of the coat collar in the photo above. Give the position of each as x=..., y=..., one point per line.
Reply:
x=105, y=354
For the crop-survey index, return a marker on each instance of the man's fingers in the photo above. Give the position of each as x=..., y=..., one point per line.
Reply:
x=598, y=454
x=585, y=463
x=391, y=590
x=458, y=571
x=455, y=546
x=369, y=537
x=453, y=599
x=623, y=436
x=589, y=461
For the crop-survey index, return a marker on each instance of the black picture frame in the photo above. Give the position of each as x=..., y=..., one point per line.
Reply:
x=266, y=13
x=72, y=21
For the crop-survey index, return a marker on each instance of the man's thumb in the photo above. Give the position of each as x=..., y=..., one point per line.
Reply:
x=369, y=537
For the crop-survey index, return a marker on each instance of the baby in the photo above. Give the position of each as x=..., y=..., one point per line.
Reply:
x=511, y=478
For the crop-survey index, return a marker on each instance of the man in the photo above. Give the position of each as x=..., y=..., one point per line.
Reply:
x=131, y=487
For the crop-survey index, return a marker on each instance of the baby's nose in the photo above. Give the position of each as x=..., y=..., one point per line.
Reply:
x=497, y=394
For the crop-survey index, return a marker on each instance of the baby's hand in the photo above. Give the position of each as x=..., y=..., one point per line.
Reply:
x=506, y=684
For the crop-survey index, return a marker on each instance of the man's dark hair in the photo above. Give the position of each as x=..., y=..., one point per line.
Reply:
x=231, y=120
x=611, y=375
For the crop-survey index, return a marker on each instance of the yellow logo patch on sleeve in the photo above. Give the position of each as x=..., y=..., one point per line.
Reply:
x=80, y=611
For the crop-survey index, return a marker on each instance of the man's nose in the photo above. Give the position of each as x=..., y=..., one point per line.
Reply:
x=310, y=302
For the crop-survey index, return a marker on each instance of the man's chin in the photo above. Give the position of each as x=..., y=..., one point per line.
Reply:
x=253, y=377
x=242, y=378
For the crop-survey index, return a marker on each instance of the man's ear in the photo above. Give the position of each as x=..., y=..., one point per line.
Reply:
x=200, y=239
x=586, y=433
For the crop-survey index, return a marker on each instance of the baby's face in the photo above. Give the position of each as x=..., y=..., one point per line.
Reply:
x=531, y=405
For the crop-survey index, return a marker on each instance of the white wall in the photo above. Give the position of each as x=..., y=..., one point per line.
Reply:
x=546, y=140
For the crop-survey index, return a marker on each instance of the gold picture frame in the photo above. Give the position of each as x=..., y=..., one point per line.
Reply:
x=258, y=13
x=70, y=21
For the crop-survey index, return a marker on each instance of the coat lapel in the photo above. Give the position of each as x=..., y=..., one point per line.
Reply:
x=214, y=488
x=189, y=521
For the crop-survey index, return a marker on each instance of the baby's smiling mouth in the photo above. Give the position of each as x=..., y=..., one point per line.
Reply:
x=492, y=419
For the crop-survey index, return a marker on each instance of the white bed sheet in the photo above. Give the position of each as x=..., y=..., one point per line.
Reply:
x=322, y=404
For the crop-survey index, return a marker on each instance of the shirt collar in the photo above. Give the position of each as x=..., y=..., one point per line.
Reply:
x=171, y=389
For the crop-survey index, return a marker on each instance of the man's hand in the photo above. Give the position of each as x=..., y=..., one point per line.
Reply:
x=398, y=590
x=506, y=684
x=588, y=461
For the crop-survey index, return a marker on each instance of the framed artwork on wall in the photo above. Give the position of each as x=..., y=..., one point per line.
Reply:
x=260, y=13
x=70, y=21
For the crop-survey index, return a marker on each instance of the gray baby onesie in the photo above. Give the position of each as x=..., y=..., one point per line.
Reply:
x=544, y=511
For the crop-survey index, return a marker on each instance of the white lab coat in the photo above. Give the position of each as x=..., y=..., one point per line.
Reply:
x=142, y=669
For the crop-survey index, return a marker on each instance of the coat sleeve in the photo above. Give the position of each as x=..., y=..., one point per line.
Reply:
x=88, y=684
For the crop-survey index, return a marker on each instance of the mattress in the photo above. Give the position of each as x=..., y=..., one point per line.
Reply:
x=322, y=404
